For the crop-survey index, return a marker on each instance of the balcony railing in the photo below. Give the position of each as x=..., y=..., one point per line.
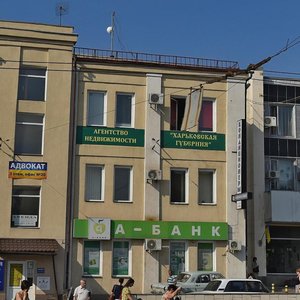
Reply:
x=160, y=59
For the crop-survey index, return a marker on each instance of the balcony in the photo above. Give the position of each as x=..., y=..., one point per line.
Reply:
x=283, y=206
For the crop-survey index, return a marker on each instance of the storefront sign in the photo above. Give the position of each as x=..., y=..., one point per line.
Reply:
x=158, y=230
x=193, y=140
x=99, y=229
x=25, y=220
x=32, y=170
x=110, y=136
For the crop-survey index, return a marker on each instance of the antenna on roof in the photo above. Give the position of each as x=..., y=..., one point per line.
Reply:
x=61, y=9
x=110, y=30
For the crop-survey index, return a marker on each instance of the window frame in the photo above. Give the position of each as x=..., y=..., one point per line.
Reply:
x=14, y=195
x=45, y=77
x=186, y=186
x=89, y=123
x=129, y=257
x=100, y=257
x=102, y=184
x=186, y=262
x=25, y=123
x=123, y=125
x=214, y=186
x=214, y=121
x=213, y=255
x=130, y=187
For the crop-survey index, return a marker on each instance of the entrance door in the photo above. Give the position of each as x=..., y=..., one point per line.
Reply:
x=16, y=272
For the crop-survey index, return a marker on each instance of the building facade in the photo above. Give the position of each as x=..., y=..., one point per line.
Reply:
x=276, y=213
x=150, y=192
x=35, y=76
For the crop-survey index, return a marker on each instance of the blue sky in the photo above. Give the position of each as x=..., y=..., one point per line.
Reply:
x=243, y=31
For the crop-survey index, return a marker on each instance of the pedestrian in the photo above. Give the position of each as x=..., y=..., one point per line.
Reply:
x=126, y=293
x=81, y=292
x=172, y=278
x=255, y=267
x=172, y=291
x=23, y=294
x=116, y=291
x=297, y=286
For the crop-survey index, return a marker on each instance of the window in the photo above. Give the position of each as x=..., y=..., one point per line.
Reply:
x=205, y=257
x=29, y=134
x=206, y=120
x=32, y=83
x=177, y=257
x=25, y=206
x=206, y=184
x=93, y=182
x=177, y=112
x=285, y=120
x=121, y=258
x=178, y=186
x=282, y=174
x=122, y=183
x=92, y=258
x=124, y=110
x=96, y=109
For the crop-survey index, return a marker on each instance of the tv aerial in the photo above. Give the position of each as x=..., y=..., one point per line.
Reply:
x=61, y=9
x=111, y=31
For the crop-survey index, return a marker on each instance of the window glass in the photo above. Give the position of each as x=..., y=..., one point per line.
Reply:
x=93, y=182
x=124, y=110
x=177, y=257
x=32, y=84
x=96, y=109
x=205, y=256
x=29, y=134
x=121, y=258
x=178, y=183
x=206, y=116
x=206, y=186
x=25, y=206
x=92, y=258
x=285, y=120
x=122, y=183
x=177, y=112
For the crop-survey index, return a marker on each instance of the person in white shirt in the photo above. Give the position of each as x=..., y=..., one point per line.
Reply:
x=81, y=292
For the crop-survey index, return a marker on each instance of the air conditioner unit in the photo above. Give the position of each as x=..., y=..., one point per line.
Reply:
x=154, y=175
x=152, y=244
x=270, y=121
x=234, y=245
x=156, y=98
x=273, y=174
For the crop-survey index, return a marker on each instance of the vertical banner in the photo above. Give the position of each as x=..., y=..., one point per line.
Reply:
x=121, y=258
x=1, y=274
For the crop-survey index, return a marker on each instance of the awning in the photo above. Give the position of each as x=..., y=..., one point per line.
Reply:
x=29, y=246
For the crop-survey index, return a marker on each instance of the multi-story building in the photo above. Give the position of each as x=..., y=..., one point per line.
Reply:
x=150, y=192
x=276, y=218
x=35, y=76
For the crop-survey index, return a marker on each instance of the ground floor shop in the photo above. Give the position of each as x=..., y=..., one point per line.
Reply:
x=40, y=261
x=104, y=250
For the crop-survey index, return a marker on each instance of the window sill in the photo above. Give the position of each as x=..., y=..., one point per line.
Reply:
x=179, y=203
x=208, y=204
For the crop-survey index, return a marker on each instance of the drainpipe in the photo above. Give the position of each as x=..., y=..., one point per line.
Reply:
x=71, y=177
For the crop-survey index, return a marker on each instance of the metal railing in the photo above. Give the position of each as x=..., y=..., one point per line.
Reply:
x=168, y=60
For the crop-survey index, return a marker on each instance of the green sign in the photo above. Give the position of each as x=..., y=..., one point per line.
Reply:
x=159, y=230
x=110, y=136
x=193, y=140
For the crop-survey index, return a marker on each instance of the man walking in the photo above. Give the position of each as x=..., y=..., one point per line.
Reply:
x=81, y=292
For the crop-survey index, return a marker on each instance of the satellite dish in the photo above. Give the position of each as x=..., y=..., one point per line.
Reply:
x=61, y=9
x=109, y=29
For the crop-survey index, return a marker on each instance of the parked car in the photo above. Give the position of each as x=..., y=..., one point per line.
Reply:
x=189, y=281
x=236, y=286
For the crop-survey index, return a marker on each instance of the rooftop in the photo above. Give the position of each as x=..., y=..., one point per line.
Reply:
x=156, y=59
